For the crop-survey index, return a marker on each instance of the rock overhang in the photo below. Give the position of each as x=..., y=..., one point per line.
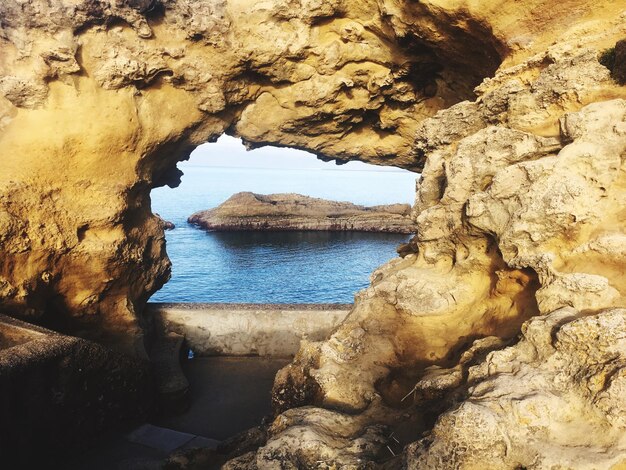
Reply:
x=124, y=90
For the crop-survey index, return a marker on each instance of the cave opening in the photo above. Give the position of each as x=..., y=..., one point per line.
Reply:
x=269, y=266
x=241, y=301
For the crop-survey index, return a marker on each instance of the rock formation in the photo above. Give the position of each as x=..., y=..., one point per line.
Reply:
x=167, y=225
x=545, y=402
x=109, y=95
x=249, y=211
x=504, y=105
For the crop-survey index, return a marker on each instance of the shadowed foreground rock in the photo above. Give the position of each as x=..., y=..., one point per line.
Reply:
x=58, y=394
x=249, y=211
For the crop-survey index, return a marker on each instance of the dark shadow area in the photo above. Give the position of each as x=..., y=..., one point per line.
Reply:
x=228, y=395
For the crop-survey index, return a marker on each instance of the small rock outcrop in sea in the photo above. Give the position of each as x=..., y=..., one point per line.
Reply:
x=250, y=211
x=167, y=225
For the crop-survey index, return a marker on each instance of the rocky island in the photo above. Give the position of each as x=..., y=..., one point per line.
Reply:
x=250, y=211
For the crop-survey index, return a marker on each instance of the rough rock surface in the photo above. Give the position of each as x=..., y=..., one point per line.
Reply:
x=99, y=99
x=538, y=228
x=167, y=225
x=519, y=210
x=250, y=211
x=545, y=402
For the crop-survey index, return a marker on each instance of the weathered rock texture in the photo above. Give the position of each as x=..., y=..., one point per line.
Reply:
x=250, y=211
x=532, y=225
x=99, y=99
x=546, y=402
x=167, y=225
x=520, y=208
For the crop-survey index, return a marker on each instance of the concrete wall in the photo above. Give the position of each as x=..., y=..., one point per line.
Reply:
x=248, y=329
x=58, y=393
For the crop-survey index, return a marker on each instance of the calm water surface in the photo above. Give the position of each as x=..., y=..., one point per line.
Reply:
x=274, y=267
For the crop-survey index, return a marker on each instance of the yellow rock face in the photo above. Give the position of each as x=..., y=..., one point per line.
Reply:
x=518, y=131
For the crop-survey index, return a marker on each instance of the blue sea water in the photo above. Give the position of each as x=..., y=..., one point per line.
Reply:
x=274, y=267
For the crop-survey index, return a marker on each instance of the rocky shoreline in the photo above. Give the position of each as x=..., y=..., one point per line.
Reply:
x=248, y=211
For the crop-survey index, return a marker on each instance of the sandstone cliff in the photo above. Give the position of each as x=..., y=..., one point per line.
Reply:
x=520, y=135
x=249, y=211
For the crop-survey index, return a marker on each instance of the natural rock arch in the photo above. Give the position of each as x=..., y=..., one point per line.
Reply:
x=519, y=207
x=117, y=92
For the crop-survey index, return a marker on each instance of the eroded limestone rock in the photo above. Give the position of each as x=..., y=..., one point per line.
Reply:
x=557, y=399
x=109, y=95
x=511, y=224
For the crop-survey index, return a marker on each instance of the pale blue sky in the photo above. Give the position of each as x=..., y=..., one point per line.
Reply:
x=230, y=152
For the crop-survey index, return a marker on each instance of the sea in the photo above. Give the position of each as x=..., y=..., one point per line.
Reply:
x=275, y=267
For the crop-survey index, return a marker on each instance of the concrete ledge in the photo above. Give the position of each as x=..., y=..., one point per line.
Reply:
x=59, y=393
x=248, y=329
